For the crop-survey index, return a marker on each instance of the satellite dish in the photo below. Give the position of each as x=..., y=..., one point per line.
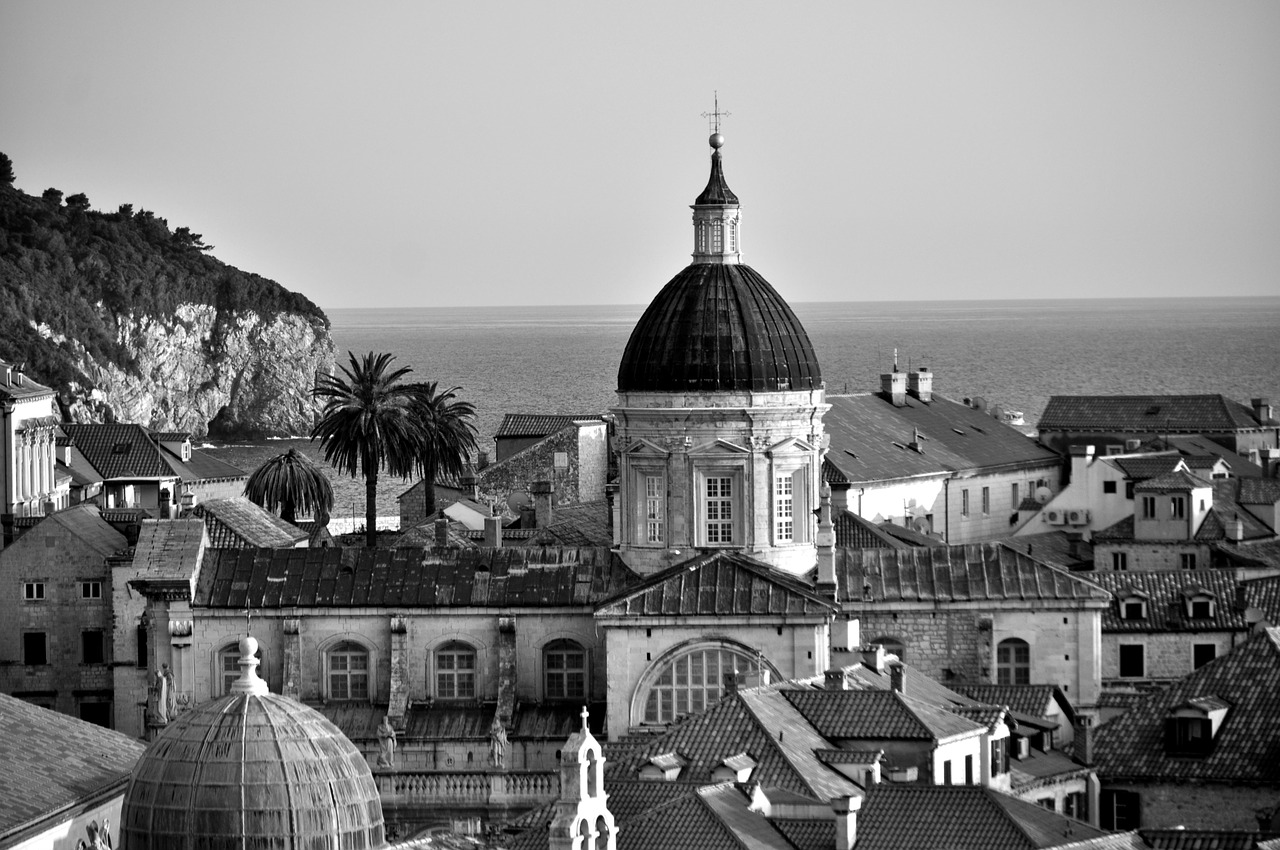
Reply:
x=997, y=411
x=518, y=500
x=921, y=526
x=1043, y=495
x=979, y=403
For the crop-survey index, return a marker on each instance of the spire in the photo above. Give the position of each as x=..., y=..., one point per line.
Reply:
x=715, y=212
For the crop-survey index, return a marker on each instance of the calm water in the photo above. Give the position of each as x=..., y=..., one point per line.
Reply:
x=1015, y=353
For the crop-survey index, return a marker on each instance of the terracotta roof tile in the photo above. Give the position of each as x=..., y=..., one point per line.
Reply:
x=119, y=451
x=1146, y=414
x=1163, y=590
x=852, y=715
x=1142, y=467
x=237, y=522
x=1032, y=700
x=854, y=532
x=538, y=424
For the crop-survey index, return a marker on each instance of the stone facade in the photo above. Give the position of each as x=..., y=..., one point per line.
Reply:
x=1193, y=804
x=584, y=452
x=1166, y=655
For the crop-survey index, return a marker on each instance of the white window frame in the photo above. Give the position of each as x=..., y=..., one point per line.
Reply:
x=639, y=470
x=1007, y=669
x=90, y=589
x=784, y=517
x=655, y=508
x=986, y=501
x=348, y=650
x=33, y=591
x=735, y=473
x=563, y=692
x=454, y=674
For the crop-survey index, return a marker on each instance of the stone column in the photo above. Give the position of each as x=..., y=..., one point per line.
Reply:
x=291, y=681
x=180, y=628
x=398, y=705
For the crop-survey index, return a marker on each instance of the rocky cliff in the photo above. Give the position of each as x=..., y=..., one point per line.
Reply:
x=133, y=322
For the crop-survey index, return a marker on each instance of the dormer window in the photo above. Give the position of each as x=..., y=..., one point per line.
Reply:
x=664, y=766
x=1190, y=727
x=1133, y=604
x=736, y=768
x=1199, y=604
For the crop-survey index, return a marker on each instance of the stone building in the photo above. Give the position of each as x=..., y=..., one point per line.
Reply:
x=28, y=437
x=56, y=615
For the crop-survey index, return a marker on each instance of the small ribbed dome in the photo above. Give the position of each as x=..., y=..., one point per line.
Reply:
x=717, y=191
x=718, y=328
x=252, y=770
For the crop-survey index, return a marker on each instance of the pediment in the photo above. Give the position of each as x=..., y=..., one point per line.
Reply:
x=790, y=446
x=645, y=448
x=718, y=447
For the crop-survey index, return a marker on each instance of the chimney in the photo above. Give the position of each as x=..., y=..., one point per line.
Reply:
x=48, y=507
x=834, y=680
x=470, y=489
x=493, y=532
x=528, y=516
x=846, y=634
x=482, y=460
x=164, y=503
x=6, y=522
x=1242, y=597
x=897, y=675
x=1262, y=410
x=543, y=499
x=920, y=384
x=64, y=452
x=1073, y=545
x=873, y=657
x=894, y=385
x=1235, y=529
x=846, y=812
x=441, y=533
x=1084, y=738
x=8, y=374
x=19, y=374
x=1081, y=458
x=826, y=545
x=731, y=681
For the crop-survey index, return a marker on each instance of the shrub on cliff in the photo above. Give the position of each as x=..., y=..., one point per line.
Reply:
x=73, y=271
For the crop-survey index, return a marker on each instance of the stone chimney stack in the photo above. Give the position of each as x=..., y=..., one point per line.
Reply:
x=894, y=385
x=897, y=678
x=873, y=657
x=1081, y=458
x=493, y=532
x=442, y=533
x=920, y=384
x=470, y=488
x=19, y=374
x=164, y=503
x=1235, y=528
x=543, y=502
x=1262, y=410
x=1084, y=738
x=834, y=680
x=846, y=812
x=826, y=545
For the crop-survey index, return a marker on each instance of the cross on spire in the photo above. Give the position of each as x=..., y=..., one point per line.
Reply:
x=584, y=715
x=713, y=117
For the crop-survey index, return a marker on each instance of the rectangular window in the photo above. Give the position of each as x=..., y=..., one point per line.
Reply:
x=1201, y=609
x=1119, y=560
x=964, y=503
x=1135, y=610
x=999, y=756
x=1148, y=507
x=1202, y=654
x=1177, y=507
x=1188, y=560
x=946, y=772
x=968, y=770
x=141, y=660
x=986, y=501
x=1115, y=450
x=719, y=510
x=717, y=238
x=33, y=591
x=90, y=590
x=1128, y=490
x=34, y=648
x=1077, y=805
x=654, y=509
x=733, y=237
x=1120, y=810
x=783, y=518
x=1108, y=486
x=1132, y=660
x=1013, y=494
x=92, y=647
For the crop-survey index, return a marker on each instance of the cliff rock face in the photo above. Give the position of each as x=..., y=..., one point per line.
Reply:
x=241, y=376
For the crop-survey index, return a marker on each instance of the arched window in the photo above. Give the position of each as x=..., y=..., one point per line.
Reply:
x=893, y=645
x=229, y=665
x=692, y=681
x=455, y=671
x=348, y=667
x=565, y=671
x=1013, y=662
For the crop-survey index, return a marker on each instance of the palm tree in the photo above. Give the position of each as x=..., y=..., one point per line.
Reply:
x=449, y=436
x=288, y=483
x=370, y=422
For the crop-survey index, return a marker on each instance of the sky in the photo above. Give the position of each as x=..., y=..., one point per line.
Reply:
x=425, y=154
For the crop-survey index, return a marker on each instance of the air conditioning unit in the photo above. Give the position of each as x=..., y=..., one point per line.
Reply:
x=1055, y=517
x=1080, y=517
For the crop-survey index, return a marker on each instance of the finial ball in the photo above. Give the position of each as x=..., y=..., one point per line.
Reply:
x=716, y=141
x=248, y=647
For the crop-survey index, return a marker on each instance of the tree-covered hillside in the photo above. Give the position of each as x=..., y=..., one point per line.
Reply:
x=74, y=270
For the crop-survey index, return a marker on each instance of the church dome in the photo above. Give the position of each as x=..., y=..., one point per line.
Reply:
x=252, y=770
x=718, y=327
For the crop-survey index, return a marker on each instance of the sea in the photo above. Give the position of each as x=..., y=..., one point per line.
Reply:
x=1015, y=354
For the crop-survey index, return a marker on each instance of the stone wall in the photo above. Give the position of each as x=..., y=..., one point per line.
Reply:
x=1201, y=805
x=537, y=463
x=1167, y=655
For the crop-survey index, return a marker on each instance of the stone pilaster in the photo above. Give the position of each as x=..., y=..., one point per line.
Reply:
x=398, y=705
x=291, y=681
x=506, y=668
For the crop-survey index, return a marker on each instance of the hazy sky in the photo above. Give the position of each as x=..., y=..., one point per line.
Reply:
x=418, y=154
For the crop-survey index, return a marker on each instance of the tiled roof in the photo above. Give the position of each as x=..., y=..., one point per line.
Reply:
x=1176, y=480
x=960, y=817
x=987, y=716
x=169, y=550
x=52, y=760
x=85, y=524
x=870, y=437
x=202, y=466
x=1246, y=745
x=907, y=535
x=807, y=834
x=1250, y=553
x=1042, y=764
x=1164, y=591
x=760, y=721
x=956, y=573
x=1119, y=531
x=411, y=578
x=722, y=584
x=1264, y=594
x=852, y=715
x=1052, y=547
x=119, y=451
x=1142, y=467
x=1197, y=448
x=538, y=424
x=1146, y=414
x=1258, y=491
x=915, y=684
x=237, y=522
x=11, y=390
x=831, y=473
x=854, y=532
x=1202, y=839
x=1032, y=700
x=580, y=524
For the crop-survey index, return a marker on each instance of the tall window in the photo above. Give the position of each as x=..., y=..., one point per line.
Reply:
x=719, y=510
x=1188, y=560
x=999, y=756
x=1013, y=494
x=654, y=509
x=1148, y=507
x=733, y=236
x=565, y=665
x=783, y=517
x=1119, y=560
x=1202, y=654
x=455, y=672
x=717, y=237
x=93, y=647
x=1177, y=507
x=229, y=666
x=34, y=648
x=986, y=500
x=692, y=682
x=348, y=672
x=1132, y=660
x=964, y=503
x=1013, y=662
x=1120, y=810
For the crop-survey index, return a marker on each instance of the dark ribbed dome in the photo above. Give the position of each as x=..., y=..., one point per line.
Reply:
x=252, y=771
x=718, y=327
